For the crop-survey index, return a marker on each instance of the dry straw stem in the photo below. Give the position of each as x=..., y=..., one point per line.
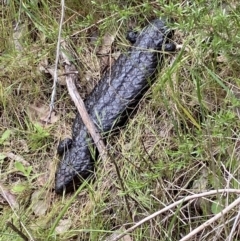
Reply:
x=234, y=227
x=55, y=76
x=211, y=220
x=204, y=194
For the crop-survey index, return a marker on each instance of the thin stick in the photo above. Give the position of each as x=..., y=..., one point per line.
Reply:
x=15, y=229
x=55, y=76
x=70, y=79
x=236, y=222
x=211, y=220
x=199, y=195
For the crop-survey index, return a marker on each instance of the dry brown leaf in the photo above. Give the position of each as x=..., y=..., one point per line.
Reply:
x=40, y=203
x=63, y=226
x=42, y=180
x=61, y=75
x=116, y=55
x=40, y=208
x=9, y=197
x=39, y=113
x=44, y=67
x=54, y=118
x=107, y=43
x=47, y=176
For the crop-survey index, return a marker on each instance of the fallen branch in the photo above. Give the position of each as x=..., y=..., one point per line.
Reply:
x=16, y=230
x=199, y=195
x=211, y=220
x=78, y=101
x=235, y=224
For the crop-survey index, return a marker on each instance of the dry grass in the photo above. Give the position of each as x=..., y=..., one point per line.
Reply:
x=184, y=138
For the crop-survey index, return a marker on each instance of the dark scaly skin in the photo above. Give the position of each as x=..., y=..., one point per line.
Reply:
x=117, y=91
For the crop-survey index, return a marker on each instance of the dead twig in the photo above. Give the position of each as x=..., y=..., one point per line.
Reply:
x=78, y=101
x=235, y=224
x=16, y=230
x=55, y=76
x=211, y=220
x=199, y=195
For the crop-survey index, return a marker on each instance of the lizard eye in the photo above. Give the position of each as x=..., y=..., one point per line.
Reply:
x=132, y=36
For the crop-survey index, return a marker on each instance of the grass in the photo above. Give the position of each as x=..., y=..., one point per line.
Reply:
x=184, y=138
